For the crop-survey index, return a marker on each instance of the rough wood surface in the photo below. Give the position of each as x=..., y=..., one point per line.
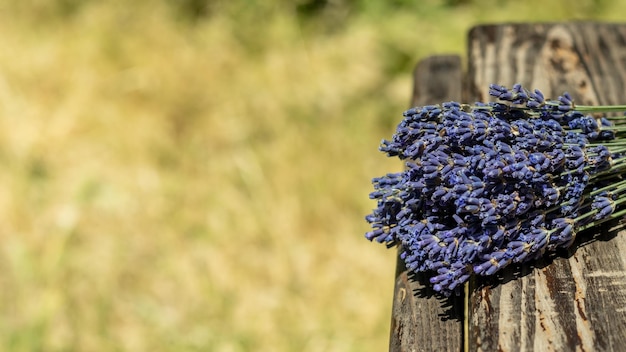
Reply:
x=576, y=302
x=422, y=321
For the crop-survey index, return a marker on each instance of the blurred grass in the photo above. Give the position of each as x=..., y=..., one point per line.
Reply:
x=192, y=175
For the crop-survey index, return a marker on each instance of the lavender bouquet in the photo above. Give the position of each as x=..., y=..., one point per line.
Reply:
x=491, y=184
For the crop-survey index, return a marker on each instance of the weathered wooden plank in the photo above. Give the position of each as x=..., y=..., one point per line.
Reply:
x=576, y=302
x=422, y=321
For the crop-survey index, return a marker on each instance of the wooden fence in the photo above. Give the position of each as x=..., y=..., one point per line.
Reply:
x=574, y=301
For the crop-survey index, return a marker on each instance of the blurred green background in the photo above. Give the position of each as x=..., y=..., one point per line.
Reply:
x=192, y=175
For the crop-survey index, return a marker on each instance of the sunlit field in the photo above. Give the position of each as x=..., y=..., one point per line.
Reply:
x=186, y=180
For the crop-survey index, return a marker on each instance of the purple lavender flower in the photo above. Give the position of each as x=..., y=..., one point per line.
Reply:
x=491, y=184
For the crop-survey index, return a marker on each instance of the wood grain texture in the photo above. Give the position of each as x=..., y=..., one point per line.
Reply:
x=577, y=300
x=422, y=321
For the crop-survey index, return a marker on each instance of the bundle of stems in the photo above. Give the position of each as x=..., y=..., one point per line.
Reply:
x=491, y=184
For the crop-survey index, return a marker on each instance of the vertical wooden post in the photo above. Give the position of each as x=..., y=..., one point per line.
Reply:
x=422, y=321
x=576, y=302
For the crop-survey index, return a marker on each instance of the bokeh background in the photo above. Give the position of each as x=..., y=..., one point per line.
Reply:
x=192, y=175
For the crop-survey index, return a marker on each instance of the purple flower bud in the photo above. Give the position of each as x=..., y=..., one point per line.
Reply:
x=603, y=206
x=496, y=90
x=566, y=102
